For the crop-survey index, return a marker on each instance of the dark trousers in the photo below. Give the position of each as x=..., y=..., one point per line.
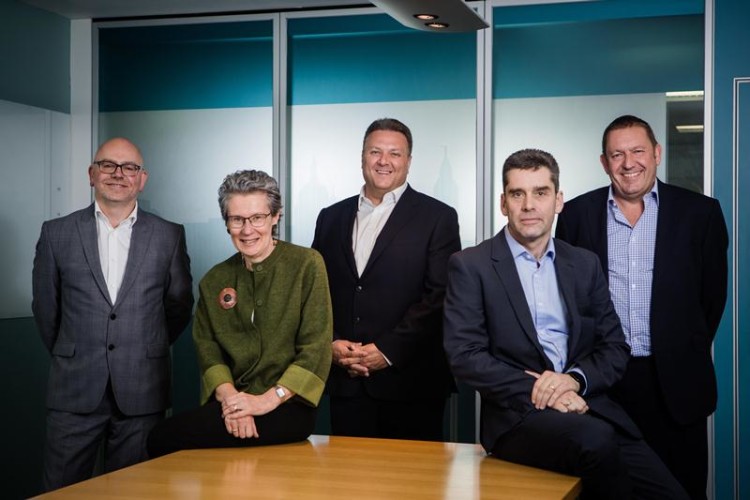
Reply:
x=682, y=448
x=74, y=439
x=203, y=427
x=363, y=416
x=611, y=464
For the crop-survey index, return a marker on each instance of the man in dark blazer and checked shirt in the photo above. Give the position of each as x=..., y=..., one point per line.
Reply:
x=664, y=252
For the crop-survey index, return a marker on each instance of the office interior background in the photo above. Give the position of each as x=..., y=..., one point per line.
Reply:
x=291, y=92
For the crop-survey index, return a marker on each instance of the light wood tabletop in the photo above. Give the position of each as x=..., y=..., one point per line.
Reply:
x=329, y=468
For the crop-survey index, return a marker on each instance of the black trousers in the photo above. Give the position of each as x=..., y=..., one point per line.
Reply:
x=611, y=464
x=363, y=416
x=203, y=427
x=682, y=448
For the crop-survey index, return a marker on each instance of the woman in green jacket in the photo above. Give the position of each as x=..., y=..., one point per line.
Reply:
x=262, y=332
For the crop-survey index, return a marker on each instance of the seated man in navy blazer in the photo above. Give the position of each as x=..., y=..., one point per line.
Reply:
x=529, y=324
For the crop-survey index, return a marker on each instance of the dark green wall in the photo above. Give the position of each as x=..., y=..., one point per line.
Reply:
x=23, y=368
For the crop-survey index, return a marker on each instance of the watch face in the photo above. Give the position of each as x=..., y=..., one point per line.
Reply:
x=280, y=392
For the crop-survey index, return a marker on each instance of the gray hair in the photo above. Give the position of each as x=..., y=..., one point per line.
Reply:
x=246, y=182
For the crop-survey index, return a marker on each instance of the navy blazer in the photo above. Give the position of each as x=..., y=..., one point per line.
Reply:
x=490, y=338
x=397, y=303
x=689, y=288
x=91, y=340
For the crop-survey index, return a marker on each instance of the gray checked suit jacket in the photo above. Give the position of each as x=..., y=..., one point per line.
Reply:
x=91, y=340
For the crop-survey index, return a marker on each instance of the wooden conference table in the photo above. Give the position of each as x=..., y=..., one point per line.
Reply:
x=329, y=468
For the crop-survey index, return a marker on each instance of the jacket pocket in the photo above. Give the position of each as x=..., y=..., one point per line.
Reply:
x=64, y=349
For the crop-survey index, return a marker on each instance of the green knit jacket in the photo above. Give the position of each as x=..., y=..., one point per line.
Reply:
x=278, y=330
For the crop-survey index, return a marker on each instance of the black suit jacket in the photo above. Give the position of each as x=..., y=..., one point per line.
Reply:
x=689, y=288
x=397, y=303
x=490, y=338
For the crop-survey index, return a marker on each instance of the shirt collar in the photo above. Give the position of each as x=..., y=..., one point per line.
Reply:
x=391, y=197
x=518, y=250
x=654, y=193
x=130, y=219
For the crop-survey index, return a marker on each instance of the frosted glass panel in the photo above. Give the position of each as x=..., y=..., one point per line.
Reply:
x=202, y=109
x=587, y=70
x=34, y=162
x=187, y=154
x=570, y=128
x=327, y=146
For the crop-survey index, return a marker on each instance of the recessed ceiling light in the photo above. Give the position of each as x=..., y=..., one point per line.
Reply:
x=686, y=93
x=687, y=129
x=438, y=26
x=426, y=17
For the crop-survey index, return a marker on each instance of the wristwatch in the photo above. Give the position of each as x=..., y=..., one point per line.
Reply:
x=580, y=379
x=280, y=392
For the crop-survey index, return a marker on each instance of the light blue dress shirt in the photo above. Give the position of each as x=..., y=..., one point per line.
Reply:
x=539, y=281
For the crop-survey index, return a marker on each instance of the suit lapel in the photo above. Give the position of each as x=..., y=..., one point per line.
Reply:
x=505, y=268
x=566, y=278
x=90, y=243
x=665, y=251
x=402, y=213
x=347, y=229
x=598, y=227
x=140, y=240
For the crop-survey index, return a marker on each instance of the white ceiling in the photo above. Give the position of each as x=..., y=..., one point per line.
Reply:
x=81, y=9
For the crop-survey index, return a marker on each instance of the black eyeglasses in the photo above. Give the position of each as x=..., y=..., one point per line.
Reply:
x=237, y=222
x=110, y=167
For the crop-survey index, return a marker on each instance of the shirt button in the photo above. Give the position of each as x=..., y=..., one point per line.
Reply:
x=259, y=302
x=359, y=288
x=113, y=316
x=111, y=347
x=632, y=286
x=259, y=267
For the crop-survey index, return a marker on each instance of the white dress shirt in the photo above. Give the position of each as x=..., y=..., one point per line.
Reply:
x=370, y=222
x=114, y=245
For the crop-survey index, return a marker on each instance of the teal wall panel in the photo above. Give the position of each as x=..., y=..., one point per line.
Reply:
x=34, y=57
x=203, y=66
x=352, y=63
x=556, y=59
x=731, y=140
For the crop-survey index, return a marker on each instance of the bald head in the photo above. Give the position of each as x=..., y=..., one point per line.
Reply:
x=119, y=150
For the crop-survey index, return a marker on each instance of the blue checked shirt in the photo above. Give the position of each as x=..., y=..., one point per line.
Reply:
x=631, y=269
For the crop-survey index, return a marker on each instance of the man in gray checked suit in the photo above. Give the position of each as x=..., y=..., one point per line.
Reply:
x=112, y=291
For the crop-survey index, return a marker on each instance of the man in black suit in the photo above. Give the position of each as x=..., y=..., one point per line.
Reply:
x=665, y=252
x=529, y=324
x=386, y=252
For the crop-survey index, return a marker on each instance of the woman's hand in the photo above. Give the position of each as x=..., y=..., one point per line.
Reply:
x=243, y=404
x=241, y=427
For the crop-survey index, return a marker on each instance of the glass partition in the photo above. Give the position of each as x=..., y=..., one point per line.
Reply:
x=347, y=71
x=563, y=72
x=197, y=100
